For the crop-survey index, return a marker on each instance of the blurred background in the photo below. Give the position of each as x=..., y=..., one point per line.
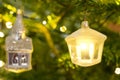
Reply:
x=48, y=22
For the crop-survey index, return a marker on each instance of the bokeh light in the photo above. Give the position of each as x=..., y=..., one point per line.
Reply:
x=63, y=29
x=9, y=25
x=44, y=22
x=2, y=34
x=11, y=12
x=117, y=70
x=1, y=63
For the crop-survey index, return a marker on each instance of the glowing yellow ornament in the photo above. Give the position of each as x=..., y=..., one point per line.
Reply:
x=85, y=46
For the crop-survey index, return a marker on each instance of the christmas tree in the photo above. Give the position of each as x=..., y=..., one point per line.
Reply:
x=48, y=23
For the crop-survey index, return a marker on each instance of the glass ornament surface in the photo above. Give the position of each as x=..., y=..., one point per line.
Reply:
x=19, y=48
x=85, y=46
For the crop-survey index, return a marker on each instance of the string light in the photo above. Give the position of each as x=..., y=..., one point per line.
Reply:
x=1, y=63
x=9, y=25
x=117, y=70
x=63, y=29
x=44, y=22
x=2, y=34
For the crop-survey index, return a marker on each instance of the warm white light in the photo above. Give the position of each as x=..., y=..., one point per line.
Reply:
x=86, y=50
x=2, y=34
x=9, y=25
x=44, y=22
x=83, y=46
x=1, y=63
x=117, y=71
x=63, y=29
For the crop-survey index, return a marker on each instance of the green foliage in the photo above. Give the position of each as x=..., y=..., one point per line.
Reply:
x=48, y=40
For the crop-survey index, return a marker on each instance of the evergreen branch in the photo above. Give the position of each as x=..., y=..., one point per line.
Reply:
x=48, y=38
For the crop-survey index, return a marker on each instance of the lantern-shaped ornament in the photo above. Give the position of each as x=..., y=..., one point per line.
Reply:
x=85, y=46
x=18, y=47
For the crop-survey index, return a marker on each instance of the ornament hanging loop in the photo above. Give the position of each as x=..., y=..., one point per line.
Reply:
x=84, y=24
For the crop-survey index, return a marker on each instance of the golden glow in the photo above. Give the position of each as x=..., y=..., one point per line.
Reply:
x=9, y=25
x=117, y=2
x=117, y=71
x=85, y=48
x=2, y=34
x=91, y=50
x=63, y=29
x=1, y=63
